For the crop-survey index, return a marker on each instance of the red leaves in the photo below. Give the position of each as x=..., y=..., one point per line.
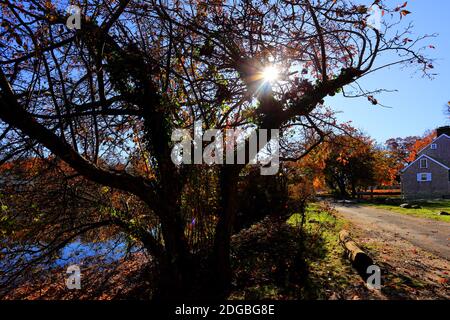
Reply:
x=401, y=7
x=407, y=40
x=403, y=12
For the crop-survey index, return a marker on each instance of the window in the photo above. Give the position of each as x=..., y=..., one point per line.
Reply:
x=423, y=163
x=424, y=177
x=434, y=146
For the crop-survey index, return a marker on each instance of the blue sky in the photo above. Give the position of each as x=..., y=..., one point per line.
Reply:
x=420, y=102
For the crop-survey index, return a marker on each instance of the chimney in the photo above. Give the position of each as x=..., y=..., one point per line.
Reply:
x=443, y=130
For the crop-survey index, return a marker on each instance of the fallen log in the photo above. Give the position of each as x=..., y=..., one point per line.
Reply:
x=359, y=259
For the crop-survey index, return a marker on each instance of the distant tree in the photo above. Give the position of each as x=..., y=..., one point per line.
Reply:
x=330, y=164
x=401, y=148
x=404, y=150
x=419, y=144
x=350, y=164
x=386, y=168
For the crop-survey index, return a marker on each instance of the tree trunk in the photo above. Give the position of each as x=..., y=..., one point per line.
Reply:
x=353, y=190
x=342, y=188
x=221, y=254
x=176, y=265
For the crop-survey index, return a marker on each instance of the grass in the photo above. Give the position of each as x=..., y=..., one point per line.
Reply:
x=429, y=209
x=329, y=269
x=311, y=265
x=325, y=272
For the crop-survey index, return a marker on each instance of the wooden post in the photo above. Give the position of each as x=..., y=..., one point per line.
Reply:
x=359, y=259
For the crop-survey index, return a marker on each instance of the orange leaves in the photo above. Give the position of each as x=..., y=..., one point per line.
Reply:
x=318, y=183
x=401, y=6
x=6, y=166
x=49, y=5
x=404, y=13
x=402, y=10
x=419, y=145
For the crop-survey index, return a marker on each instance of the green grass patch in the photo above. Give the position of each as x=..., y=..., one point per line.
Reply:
x=299, y=259
x=429, y=209
x=329, y=269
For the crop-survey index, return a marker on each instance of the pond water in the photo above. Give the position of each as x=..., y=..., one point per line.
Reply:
x=76, y=252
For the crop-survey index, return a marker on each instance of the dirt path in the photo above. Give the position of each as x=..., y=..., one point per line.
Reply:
x=427, y=234
x=413, y=253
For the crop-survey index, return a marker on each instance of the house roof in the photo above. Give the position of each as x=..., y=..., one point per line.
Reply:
x=444, y=161
x=428, y=157
x=434, y=141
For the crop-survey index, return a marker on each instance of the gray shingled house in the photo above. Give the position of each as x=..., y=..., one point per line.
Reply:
x=429, y=175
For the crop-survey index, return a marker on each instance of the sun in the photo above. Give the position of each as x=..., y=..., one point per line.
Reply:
x=270, y=74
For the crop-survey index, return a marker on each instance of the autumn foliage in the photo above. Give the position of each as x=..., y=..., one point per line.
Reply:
x=100, y=104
